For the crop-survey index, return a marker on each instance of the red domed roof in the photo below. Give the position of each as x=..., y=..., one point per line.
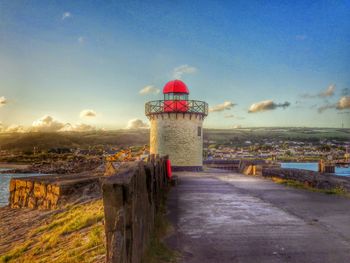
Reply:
x=175, y=86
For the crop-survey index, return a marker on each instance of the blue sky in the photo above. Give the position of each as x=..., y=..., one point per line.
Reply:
x=58, y=58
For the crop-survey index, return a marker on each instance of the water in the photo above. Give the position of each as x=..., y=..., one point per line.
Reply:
x=342, y=171
x=4, y=185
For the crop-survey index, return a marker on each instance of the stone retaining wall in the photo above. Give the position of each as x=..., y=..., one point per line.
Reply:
x=311, y=178
x=132, y=198
x=232, y=165
x=47, y=192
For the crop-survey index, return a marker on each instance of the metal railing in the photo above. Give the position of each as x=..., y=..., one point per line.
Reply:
x=176, y=106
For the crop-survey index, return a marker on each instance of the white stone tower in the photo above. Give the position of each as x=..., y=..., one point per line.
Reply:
x=176, y=127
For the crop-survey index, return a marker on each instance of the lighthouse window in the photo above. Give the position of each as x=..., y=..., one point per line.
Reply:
x=172, y=96
x=199, y=131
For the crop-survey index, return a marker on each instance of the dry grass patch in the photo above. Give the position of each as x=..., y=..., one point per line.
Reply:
x=74, y=235
x=307, y=186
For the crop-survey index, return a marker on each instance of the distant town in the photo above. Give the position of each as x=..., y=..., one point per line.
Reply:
x=282, y=150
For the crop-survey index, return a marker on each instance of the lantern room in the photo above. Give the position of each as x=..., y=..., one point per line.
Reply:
x=175, y=90
x=175, y=96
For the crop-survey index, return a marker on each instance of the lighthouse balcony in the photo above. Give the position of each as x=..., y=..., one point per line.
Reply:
x=176, y=106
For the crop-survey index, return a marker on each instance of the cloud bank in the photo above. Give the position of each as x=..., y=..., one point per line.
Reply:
x=179, y=71
x=80, y=127
x=137, y=124
x=267, y=105
x=12, y=128
x=150, y=89
x=47, y=124
x=227, y=105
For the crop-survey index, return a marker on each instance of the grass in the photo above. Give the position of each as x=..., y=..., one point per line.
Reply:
x=73, y=235
x=16, y=252
x=76, y=234
x=307, y=186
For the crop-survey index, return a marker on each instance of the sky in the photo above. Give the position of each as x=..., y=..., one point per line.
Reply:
x=80, y=65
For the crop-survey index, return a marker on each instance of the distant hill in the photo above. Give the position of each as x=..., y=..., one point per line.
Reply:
x=45, y=141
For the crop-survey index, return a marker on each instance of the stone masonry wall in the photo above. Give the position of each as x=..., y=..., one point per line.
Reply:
x=132, y=198
x=314, y=179
x=176, y=135
x=33, y=194
x=46, y=192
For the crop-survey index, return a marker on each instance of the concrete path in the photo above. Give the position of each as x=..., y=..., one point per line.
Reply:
x=227, y=217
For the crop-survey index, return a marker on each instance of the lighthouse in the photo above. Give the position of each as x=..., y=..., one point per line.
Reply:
x=177, y=127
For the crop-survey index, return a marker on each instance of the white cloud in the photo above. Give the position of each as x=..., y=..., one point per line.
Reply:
x=87, y=113
x=179, y=71
x=329, y=92
x=46, y=124
x=66, y=15
x=267, y=105
x=227, y=105
x=137, y=124
x=343, y=103
x=237, y=126
x=3, y=101
x=150, y=89
x=81, y=40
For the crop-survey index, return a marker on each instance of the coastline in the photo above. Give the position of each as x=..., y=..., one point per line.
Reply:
x=14, y=166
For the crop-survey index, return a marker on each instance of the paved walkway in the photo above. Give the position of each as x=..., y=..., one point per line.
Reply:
x=228, y=217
